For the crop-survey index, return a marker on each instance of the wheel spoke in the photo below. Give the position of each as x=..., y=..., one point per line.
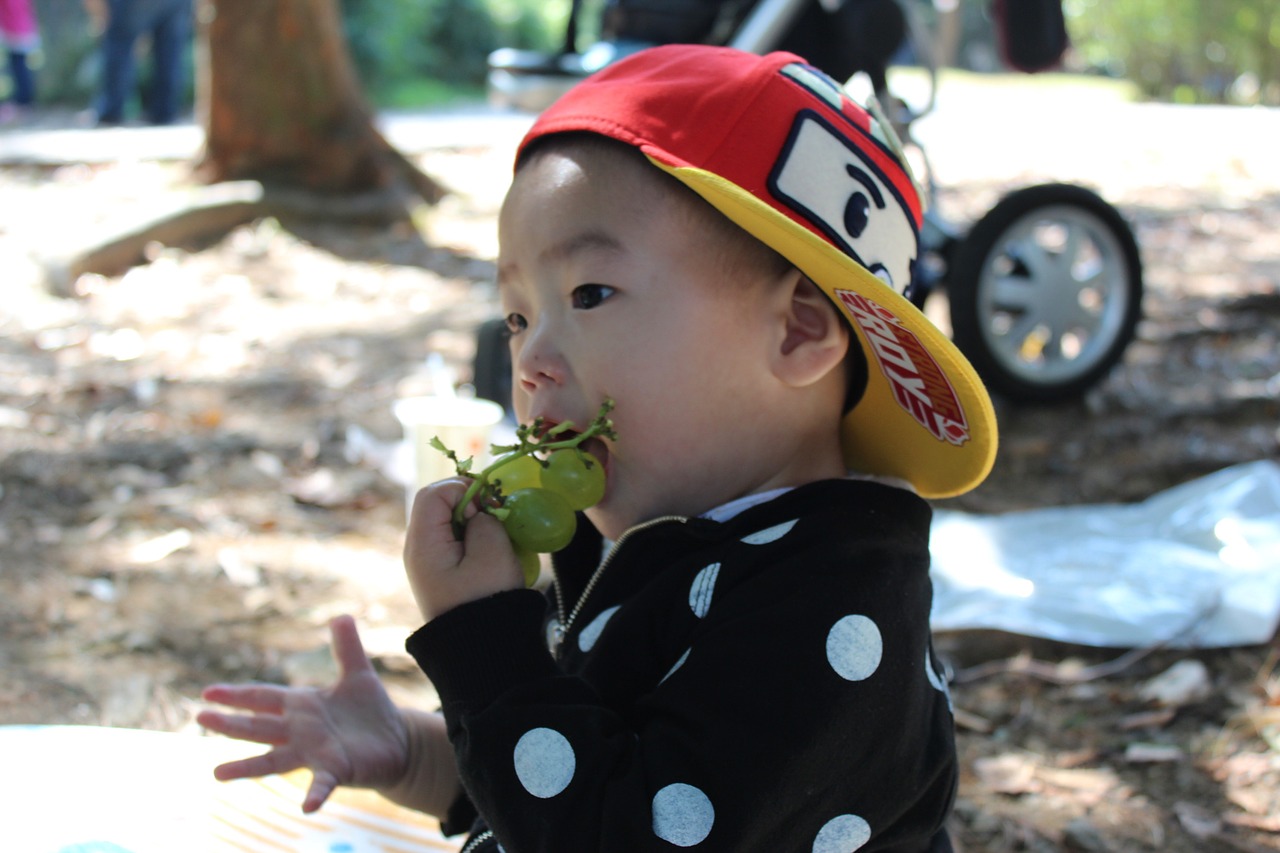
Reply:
x=1039, y=262
x=1051, y=350
x=1013, y=293
x=1078, y=332
x=1019, y=339
x=1072, y=250
x=1078, y=315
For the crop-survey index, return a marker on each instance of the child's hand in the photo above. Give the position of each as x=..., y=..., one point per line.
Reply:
x=444, y=572
x=534, y=486
x=346, y=734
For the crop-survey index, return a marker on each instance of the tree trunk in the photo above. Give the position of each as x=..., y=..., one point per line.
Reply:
x=280, y=103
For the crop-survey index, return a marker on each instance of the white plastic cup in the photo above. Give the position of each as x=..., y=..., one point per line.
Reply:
x=464, y=424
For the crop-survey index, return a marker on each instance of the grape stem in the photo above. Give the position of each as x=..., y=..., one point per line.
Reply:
x=531, y=439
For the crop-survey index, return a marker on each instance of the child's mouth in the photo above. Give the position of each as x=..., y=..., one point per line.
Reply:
x=595, y=445
x=599, y=448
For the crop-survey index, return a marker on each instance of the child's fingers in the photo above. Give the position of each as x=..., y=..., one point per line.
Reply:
x=348, y=651
x=430, y=540
x=257, y=729
x=260, y=698
x=322, y=785
x=433, y=506
x=267, y=764
x=487, y=542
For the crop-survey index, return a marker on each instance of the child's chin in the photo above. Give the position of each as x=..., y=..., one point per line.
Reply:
x=608, y=523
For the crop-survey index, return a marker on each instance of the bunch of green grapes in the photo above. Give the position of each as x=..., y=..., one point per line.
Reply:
x=535, y=486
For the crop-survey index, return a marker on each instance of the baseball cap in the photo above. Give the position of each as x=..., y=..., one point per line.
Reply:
x=780, y=149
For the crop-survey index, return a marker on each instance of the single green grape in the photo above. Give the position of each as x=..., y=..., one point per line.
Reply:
x=523, y=472
x=530, y=564
x=538, y=520
x=575, y=475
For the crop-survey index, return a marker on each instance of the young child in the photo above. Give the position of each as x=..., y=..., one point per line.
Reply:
x=718, y=242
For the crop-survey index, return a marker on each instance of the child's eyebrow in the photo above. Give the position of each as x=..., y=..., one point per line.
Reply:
x=593, y=239
x=584, y=241
x=590, y=240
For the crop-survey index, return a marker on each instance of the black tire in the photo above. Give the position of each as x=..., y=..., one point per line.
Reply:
x=1045, y=292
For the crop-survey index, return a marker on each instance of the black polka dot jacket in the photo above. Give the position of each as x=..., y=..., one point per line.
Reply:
x=761, y=684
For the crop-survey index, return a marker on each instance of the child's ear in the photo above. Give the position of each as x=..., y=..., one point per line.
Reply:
x=815, y=339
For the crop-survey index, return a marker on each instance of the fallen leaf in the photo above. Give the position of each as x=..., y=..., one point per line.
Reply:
x=1086, y=780
x=1153, y=753
x=1265, y=823
x=1197, y=820
x=238, y=570
x=972, y=722
x=155, y=550
x=1156, y=719
x=1007, y=774
x=1185, y=682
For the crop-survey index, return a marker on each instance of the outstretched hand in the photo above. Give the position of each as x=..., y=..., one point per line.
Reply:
x=349, y=733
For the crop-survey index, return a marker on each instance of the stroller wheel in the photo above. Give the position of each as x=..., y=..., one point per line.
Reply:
x=1046, y=292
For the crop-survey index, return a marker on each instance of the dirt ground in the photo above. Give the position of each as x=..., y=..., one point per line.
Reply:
x=190, y=480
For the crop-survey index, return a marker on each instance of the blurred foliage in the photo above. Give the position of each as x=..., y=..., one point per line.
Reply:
x=1189, y=51
x=400, y=45
x=67, y=65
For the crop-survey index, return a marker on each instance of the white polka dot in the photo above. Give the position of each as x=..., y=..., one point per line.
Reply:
x=684, y=657
x=703, y=587
x=544, y=762
x=682, y=815
x=591, y=633
x=842, y=834
x=939, y=683
x=854, y=648
x=770, y=534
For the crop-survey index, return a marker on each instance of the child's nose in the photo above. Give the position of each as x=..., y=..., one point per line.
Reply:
x=538, y=361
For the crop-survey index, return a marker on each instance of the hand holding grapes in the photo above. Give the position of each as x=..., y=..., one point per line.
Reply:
x=474, y=537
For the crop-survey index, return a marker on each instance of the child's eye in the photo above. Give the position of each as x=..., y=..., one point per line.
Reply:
x=516, y=323
x=588, y=296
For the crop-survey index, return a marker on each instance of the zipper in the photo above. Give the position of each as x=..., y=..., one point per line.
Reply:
x=561, y=629
x=474, y=844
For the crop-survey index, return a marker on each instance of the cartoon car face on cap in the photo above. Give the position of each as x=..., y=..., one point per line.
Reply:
x=823, y=176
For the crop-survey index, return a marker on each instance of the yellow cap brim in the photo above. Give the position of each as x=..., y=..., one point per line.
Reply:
x=925, y=417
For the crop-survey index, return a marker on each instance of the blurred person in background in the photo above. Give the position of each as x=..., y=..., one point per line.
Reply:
x=20, y=37
x=168, y=25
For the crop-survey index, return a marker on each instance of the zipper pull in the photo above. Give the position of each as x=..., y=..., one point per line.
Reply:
x=555, y=636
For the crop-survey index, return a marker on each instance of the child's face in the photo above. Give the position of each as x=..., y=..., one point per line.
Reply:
x=609, y=281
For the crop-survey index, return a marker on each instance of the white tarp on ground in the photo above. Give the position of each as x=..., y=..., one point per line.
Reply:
x=1197, y=565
